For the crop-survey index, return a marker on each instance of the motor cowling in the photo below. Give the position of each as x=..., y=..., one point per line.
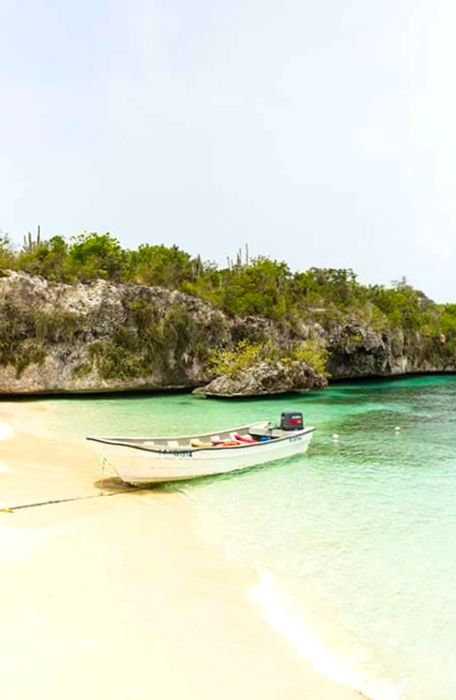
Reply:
x=290, y=420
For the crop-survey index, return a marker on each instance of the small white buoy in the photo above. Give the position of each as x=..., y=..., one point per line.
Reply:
x=335, y=436
x=397, y=428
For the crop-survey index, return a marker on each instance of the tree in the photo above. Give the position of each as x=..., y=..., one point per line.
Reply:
x=6, y=252
x=48, y=259
x=258, y=288
x=158, y=265
x=97, y=255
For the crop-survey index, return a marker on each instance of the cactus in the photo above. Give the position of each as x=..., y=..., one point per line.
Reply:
x=29, y=243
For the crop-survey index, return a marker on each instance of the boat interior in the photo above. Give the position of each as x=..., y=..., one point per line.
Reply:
x=244, y=435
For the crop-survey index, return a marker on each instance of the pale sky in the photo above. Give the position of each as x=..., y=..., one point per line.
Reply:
x=320, y=132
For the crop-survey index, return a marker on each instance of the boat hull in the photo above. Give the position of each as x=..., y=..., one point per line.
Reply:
x=137, y=466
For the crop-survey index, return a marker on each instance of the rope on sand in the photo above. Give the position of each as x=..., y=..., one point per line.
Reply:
x=11, y=509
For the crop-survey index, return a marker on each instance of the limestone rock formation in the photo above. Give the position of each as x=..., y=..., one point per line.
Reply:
x=57, y=338
x=265, y=379
x=99, y=337
x=356, y=350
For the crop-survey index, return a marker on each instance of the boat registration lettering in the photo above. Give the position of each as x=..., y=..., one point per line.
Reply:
x=179, y=453
x=298, y=438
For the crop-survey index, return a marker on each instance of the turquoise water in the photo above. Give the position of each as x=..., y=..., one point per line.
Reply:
x=354, y=542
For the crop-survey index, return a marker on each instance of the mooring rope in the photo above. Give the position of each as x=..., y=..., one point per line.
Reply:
x=11, y=509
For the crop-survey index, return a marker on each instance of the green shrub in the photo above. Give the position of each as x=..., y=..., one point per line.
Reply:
x=245, y=355
x=58, y=326
x=232, y=361
x=313, y=354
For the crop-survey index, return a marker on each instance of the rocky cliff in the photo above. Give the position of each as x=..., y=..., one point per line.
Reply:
x=57, y=338
x=265, y=379
x=102, y=337
x=357, y=350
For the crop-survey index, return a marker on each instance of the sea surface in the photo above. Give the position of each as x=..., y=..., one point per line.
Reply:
x=354, y=543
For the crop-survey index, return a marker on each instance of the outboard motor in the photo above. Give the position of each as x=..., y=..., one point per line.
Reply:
x=291, y=421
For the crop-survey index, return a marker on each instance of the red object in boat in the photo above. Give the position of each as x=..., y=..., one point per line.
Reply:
x=241, y=438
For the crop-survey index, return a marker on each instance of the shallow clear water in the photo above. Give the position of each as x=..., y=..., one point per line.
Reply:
x=355, y=541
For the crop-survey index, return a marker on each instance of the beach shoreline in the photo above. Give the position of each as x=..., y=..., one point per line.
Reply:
x=118, y=594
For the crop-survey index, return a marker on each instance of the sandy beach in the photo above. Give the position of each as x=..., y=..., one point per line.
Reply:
x=118, y=594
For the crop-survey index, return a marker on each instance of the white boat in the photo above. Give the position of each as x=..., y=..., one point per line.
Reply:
x=157, y=459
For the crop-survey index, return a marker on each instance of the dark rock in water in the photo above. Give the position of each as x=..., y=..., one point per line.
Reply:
x=265, y=379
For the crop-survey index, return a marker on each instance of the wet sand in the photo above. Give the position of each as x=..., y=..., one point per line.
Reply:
x=118, y=595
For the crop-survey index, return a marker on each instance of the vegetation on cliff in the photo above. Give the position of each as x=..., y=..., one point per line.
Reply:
x=251, y=313
x=233, y=360
x=257, y=287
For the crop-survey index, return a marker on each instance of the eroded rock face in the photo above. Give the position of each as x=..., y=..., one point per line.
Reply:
x=356, y=350
x=57, y=338
x=265, y=379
